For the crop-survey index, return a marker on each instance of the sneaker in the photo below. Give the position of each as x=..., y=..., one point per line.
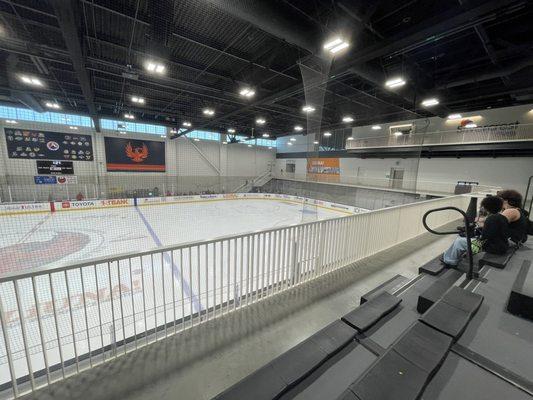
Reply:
x=441, y=259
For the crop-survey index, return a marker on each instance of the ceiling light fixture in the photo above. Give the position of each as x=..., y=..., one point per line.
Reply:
x=224, y=142
x=260, y=121
x=247, y=92
x=208, y=111
x=376, y=127
x=298, y=128
x=336, y=45
x=231, y=130
x=327, y=134
x=289, y=144
x=292, y=139
x=347, y=119
x=395, y=82
x=455, y=116
x=315, y=142
x=53, y=105
x=249, y=145
x=75, y=128
x=137, y=99
x=196, y=139
x=471, y=125
x=430, y=102
x=308, y=109
x=187, y=124
x=398, y=133
x=270, y=147
x=265, y=135
x=129, y=116
x=350, y=138
x=31, y=80
x=11, y=121
x=152, y=66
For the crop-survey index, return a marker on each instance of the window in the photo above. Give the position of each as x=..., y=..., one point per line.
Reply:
x=25, y=114
x=150, y=129
x=266, y=142
x=205, y=135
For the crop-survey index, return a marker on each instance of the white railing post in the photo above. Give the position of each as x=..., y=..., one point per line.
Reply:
x=9, y=355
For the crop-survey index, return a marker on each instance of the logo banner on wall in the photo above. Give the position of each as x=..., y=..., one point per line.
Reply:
x=55, y=180
x=324, y=169
x=329, y=166
x=44, y=145
x=131, y=155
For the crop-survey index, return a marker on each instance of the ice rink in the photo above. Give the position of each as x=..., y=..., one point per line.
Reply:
x=83, y=310
x=39, y=240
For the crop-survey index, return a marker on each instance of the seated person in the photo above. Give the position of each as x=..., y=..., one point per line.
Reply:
x=512, y=210
x=493, y=238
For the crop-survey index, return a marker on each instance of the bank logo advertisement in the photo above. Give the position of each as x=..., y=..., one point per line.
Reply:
x=131, y=155
x=45, y=145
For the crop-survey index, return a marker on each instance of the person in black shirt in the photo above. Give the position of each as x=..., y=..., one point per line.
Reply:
x=512, y=210
x=493, y=238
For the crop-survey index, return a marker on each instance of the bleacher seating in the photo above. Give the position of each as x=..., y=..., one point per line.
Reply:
x=366, y=315
x=405, y=368
x=494, y=260
x=432, y=294
x=291, y=367
x=451, y=314
x=389, y=286
x=521, y=297
x=433, y=267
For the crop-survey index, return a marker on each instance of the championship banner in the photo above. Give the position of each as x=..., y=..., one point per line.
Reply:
x=45, y=145
x=131, y=155
x=324, y=169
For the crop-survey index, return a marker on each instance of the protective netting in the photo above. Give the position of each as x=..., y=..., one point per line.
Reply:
x=315, y=75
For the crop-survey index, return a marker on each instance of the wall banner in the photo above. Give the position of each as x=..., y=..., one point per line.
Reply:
x=324, y=169
x=45, y=145
x=131, y=155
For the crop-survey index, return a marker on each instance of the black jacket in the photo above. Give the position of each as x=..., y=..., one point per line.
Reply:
x=495, y=233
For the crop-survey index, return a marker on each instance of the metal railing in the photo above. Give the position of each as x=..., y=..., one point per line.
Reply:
x=402, y=185
x=257, y=181
x=482, y=134
x=57, y=322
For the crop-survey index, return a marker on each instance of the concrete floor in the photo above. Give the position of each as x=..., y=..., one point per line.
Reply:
x=203, y=361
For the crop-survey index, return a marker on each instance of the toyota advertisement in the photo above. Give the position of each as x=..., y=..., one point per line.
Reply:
x=44, y=145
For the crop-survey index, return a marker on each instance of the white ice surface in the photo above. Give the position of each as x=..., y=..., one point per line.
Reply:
x=176, y=285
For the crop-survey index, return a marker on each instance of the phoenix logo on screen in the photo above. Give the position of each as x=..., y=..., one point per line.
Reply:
x=137, y=154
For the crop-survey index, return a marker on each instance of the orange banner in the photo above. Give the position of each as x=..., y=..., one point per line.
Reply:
x=323, y=169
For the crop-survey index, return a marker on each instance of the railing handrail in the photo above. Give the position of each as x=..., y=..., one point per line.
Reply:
x=421, y=134
x=135, y=254
x=470, y=274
